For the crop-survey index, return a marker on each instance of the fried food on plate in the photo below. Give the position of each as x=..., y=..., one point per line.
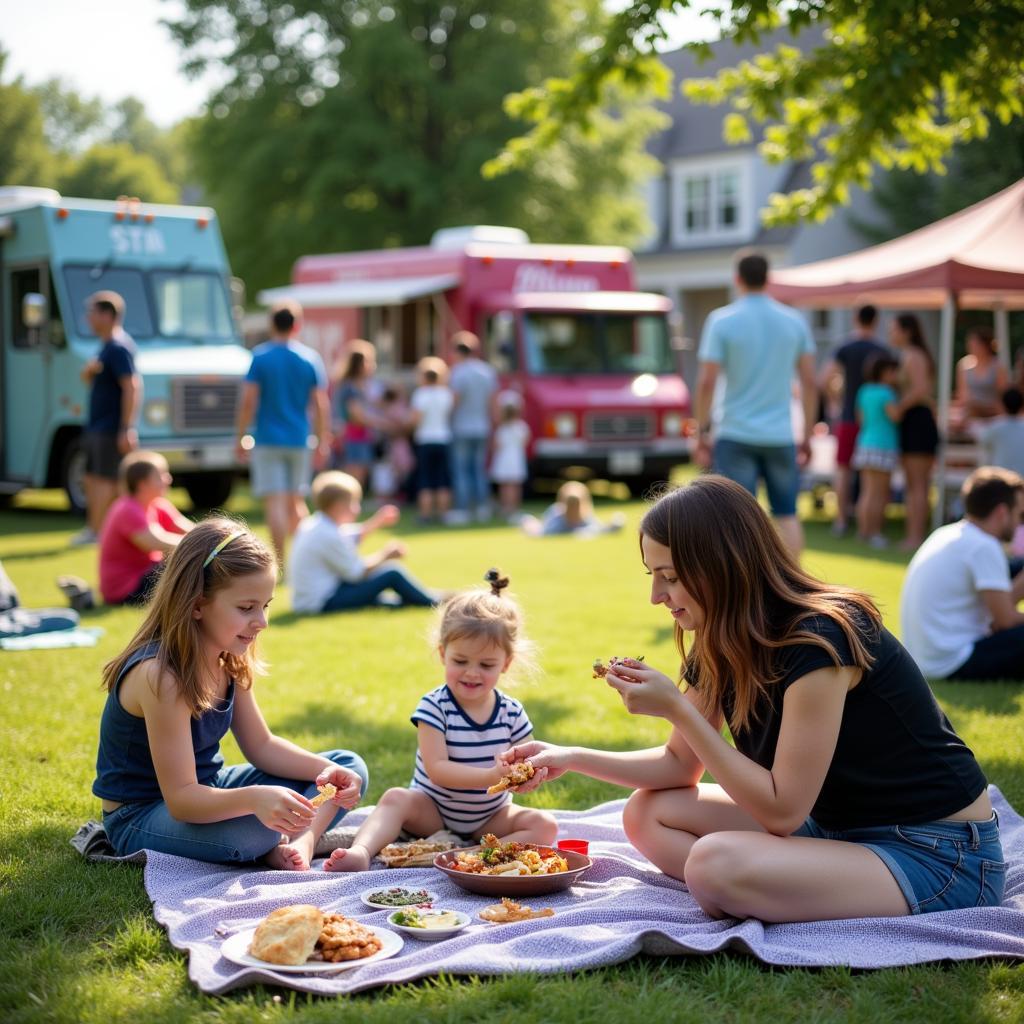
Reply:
x=517, y=774
x=419, y=853
x=496, y=858
x=287, y=935
x=508, y=911
x=327, y=792
x=341, y=938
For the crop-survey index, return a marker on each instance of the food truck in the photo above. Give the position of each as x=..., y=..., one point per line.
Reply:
x=592, y=358
x=169, y=265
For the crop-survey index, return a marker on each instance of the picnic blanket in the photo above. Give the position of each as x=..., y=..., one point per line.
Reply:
x=622, y=906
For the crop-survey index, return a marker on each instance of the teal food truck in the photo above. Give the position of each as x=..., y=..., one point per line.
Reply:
x=169, y=265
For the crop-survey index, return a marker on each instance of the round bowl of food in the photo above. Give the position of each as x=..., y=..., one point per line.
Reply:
x=428, y=924
x=512, y=869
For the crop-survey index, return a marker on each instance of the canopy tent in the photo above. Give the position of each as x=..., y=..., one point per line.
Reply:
x=973, y=259
x=393, y=291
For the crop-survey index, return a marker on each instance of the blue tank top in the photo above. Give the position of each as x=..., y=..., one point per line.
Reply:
x=124, y=765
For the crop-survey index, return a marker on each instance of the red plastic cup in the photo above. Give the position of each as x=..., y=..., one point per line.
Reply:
x=574, y=846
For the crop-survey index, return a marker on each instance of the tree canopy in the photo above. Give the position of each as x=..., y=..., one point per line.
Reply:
x=890, y=85
x=350, y=124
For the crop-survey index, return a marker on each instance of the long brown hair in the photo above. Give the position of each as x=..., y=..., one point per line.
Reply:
x=754, y=595
x=184, y=582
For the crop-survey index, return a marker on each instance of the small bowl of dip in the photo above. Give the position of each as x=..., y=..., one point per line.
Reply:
x=428, y=923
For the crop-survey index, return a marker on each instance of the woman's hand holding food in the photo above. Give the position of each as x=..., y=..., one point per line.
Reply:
x=347, y=784
x=643, y=690
x=282, y=809
x=549, y=762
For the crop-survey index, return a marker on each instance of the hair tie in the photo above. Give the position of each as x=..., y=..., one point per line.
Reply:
x=496, y=580
x=221, y=546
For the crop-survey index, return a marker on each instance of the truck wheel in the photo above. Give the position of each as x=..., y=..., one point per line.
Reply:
x=72, y=475
x=208, y=490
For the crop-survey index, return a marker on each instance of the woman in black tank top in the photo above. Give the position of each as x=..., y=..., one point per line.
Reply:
x=847, y=794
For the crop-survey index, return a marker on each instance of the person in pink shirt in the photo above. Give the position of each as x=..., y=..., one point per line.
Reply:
x=141, y=527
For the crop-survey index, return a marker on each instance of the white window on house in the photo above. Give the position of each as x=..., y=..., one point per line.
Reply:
x=711, y=202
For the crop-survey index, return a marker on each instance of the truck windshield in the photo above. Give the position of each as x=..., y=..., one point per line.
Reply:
x=598, y=343
x=191, y=305
x=158, y=303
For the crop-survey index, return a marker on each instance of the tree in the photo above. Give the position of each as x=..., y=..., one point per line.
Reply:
x=365, y=123
x=25, y=158
x=892, y=84
x=70, y=121
x=112, y=169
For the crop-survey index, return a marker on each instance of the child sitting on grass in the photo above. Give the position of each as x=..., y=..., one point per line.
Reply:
x=462, y=726
x=572, y=512
x=326, y=571
x=187, y=677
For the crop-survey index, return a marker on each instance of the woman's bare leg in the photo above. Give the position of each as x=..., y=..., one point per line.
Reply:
x=917, y=469
x=398, y=810
x=788, y=878
x=663, y=824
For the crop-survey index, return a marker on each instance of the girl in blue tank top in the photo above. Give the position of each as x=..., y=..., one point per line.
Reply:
x=182, y=682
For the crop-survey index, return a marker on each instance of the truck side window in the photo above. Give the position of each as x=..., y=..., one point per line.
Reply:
x=500, y=342
x=23, y=282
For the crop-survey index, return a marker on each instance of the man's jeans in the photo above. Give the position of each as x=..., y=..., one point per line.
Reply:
x=469, y=472
x=368, y=591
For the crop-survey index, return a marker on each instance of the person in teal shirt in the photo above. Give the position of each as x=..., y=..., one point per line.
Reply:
x=878, y=446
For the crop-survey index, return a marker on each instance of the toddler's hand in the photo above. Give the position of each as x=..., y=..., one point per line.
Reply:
x=347, y=784
x=282, y=809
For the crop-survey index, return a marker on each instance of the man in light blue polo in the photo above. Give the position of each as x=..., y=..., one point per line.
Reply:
x=758, y=345
x=285, y=383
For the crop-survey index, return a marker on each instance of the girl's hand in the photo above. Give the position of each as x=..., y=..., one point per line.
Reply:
x=643, y=690
x=347, y=783
x=548, y=758
x=282, y=809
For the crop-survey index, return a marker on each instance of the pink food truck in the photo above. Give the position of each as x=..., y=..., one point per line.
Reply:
x=592, y=357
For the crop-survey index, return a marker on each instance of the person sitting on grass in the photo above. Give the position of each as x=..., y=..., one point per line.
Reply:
x=326, y=571
x=572, y=512
x=461, y=726
x=847, y=793
x=185, y=678
x=141, y=528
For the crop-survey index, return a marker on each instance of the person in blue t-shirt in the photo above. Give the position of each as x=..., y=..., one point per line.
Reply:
x=285, y=381
x=758, y=346
x=115, y=395
x=877, y=451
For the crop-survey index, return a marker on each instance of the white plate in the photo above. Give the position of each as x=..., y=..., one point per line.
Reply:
x=236, y=949
x=365, y=896
x=431, y=934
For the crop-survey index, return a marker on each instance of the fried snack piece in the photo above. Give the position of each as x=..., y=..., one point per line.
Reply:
x=326, y=793
x=600, y=669
x=287, y=935
x=419, y=853
x=508, y=911
x=520, y=772
x=341, y=938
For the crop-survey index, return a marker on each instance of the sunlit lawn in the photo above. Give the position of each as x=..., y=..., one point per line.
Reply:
x=78, y=942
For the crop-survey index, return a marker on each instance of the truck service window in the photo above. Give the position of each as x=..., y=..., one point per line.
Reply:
x=192, y=305
x=126, y=281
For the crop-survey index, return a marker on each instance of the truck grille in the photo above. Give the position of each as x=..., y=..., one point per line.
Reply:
x=205, y=404
x=619, y=426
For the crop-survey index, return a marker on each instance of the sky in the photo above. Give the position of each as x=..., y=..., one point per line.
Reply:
x=118, y=48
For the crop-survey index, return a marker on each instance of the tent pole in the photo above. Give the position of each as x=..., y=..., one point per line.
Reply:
x=1002, y=324
x=945, y=393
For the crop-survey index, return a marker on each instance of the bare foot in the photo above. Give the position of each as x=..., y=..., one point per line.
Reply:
x=293, y=853
x=356, y=859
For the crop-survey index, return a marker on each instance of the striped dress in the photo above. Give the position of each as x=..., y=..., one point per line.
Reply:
x=471, y=743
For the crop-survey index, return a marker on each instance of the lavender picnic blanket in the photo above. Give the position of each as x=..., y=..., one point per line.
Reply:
x=621, y=907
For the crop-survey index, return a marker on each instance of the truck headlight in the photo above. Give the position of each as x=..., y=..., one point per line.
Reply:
x=672, y=424
x=156, y=412
x=564, y=424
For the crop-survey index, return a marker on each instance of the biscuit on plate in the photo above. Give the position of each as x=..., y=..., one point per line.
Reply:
x=287, y=935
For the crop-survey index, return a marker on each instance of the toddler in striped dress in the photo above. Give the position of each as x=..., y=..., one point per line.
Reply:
x=463, y=726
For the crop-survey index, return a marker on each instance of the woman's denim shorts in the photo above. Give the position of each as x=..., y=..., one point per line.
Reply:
x=939, y=865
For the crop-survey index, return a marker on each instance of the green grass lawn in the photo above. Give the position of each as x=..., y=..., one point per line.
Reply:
x=78, y=942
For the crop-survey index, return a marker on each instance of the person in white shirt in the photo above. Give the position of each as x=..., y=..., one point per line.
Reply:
x=327, y=573
x=959, y=602
x=431, y=406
